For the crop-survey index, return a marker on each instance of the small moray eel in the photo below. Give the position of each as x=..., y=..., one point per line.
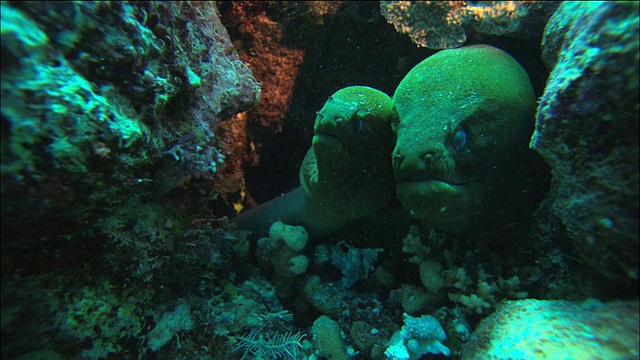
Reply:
x=465, y=117
x=346, y=173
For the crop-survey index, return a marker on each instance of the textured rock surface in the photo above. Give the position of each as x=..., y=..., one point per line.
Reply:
x=103, y=100
x=587, y=131
x=441, y=24
x=107, y=117
x=112, y=253
x=546, y=329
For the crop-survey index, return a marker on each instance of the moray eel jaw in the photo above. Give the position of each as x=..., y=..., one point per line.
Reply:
x=445, y=205
x=327, y=144
x=332, y=129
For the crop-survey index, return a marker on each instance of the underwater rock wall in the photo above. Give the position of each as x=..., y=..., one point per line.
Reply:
x=105, y=100
x=589, y=329
x=587, y=131
x=108, y=115
x=115, y=242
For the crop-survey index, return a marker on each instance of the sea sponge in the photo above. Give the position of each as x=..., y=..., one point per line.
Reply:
x=298, y=264
x=414, y=299
x=325, y=297
x=418, y=336
x=326, y=335
x=363, y=335
x=431, y=276
x=295, y=237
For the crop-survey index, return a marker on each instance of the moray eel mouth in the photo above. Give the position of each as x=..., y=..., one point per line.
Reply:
x=327, y=142
x=438, y=202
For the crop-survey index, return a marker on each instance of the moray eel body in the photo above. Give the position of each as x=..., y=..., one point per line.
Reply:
x=465, y=117
x=346, y=174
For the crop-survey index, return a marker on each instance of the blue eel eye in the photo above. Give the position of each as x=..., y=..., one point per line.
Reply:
x=357, y=125
x=459, y=140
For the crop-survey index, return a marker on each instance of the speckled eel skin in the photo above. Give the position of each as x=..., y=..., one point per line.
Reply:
x=461, y=163
x=465, y=117
x=346, y=173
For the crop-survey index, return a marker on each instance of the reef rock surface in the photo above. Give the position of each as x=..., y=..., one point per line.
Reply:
x=587, y=131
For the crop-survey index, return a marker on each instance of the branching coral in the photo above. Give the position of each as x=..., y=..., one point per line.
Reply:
x=487, y=292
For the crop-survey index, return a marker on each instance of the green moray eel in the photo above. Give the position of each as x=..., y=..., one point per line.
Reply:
x=465, y=117
x=346, y=173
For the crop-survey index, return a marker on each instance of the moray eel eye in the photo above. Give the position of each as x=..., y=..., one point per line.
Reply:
x=459, y=140
x=356, y=124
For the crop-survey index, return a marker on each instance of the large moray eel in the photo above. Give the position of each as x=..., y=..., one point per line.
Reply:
x=346, y=173
x=465, y=117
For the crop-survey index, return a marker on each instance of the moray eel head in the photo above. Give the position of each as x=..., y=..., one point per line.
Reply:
x=352, y=120
x=464, y=119
x=346, y=171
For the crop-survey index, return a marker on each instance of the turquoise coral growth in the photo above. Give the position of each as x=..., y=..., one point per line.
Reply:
x=545, y=329
x=418, y=336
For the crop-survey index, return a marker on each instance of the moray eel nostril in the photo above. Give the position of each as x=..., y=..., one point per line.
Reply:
x=428, y=157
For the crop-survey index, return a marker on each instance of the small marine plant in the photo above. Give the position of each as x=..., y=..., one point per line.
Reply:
x=279, y=317
x=278, y=345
